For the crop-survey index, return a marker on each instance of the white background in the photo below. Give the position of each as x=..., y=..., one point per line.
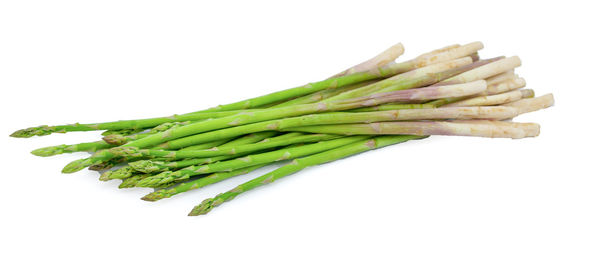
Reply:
x=88, y=61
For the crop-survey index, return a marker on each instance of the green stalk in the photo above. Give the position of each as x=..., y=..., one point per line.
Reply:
x=108, y=141
x=252, y=138
x=118, y=125
x=247, y=161
x=299, y=164
x=134, y=152
x=81, y=147
x=207, y=145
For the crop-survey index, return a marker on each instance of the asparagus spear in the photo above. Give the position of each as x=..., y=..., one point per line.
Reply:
x=207, y=145
x=247, y=161
x=113, y=140
x=108, y=141
x=117, y=125
x=491, y=129
x=297, y=165
x=252, y=138
x=81, y=147
x=133, y=152
x=421, y=94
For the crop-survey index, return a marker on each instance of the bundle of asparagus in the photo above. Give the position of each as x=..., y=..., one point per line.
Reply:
x=377, y=103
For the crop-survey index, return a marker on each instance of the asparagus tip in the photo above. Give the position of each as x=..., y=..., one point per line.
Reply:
x=77, y=165
x=154, y=196
x=206, y=206
x=101, y=166
x=32, y=131
x=126, y=184
x=133, y=181
x=105, y=176
x=149, y=182
x=147, y=166
x=125, y=152
x=121, y=173
x=156, y=181
x=47, y=151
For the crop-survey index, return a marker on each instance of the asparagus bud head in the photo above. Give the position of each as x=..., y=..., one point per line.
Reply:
x=148, y=166
x=33, y=131
x=49, y=151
